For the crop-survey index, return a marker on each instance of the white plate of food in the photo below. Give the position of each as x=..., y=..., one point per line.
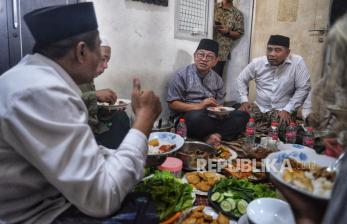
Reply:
x=224, y=152
x=161, y=143
x=220, y=110
x=283, y=147
x=302, y=170
x=202, y=181
x=119, y=104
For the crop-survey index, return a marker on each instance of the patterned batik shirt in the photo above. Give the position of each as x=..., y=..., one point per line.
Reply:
x=188, y=86
x=233, y=19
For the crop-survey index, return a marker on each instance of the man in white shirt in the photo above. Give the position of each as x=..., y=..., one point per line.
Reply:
x=282, y=80
x=49, y=159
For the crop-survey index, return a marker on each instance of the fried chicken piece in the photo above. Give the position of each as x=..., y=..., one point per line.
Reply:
x=203, y=186
x=166, y=148
x=200, y=221
x=193, y=178
x=209, y=174
x=208, y=218
x=197, y=214
x=212, y=180
x=190, y=220
x=199, y=208
x=202, y=175
x=222, y=219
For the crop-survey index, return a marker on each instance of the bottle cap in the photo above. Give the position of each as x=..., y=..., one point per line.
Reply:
x=310, y=129
x=171, y=164
x=274, y=123
x=181, y=120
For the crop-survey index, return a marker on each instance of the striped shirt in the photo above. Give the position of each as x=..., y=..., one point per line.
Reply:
x=283, y=87
x=188, y=86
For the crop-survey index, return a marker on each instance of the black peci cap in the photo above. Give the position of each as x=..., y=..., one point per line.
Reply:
x=279, y=40
x=52, y=24
x=209, y=45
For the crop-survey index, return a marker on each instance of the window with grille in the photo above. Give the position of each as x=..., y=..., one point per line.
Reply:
x=191, y=19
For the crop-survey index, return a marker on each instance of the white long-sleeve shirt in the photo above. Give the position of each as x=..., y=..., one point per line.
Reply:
x=283, y=87
x=307, y=106
x=48, y=155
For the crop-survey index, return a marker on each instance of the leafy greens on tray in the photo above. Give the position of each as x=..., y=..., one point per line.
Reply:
x=169, y=193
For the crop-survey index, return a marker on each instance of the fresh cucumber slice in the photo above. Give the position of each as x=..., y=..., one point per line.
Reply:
x=215, y=196
x=228, y=194
x=221, y=198
x=242, y=206
x=232, y=203
x=236, y=213
x=226, y=206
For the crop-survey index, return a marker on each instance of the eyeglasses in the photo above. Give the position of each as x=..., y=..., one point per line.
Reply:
x=202, y=55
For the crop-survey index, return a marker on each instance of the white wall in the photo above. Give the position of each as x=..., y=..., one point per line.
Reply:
x=143, y=45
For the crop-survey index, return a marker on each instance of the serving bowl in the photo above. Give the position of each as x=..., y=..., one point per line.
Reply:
x=192, y=151
x=164, y=138
x=269, y=211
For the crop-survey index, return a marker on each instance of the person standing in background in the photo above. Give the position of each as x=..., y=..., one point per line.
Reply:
x=228, y=28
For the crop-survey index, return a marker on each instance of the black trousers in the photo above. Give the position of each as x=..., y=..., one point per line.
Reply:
x=219, y=68
x=200, y=125
x=137, y=208
x=118, y=130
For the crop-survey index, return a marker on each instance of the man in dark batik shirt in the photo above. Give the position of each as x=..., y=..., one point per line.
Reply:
x=196, y=87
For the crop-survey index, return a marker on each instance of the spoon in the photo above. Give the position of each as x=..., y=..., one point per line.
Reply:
x=336, y=166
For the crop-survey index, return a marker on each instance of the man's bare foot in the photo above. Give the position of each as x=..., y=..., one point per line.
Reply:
x=214, y=139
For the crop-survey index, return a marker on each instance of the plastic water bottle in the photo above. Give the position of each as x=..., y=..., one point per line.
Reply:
x=181, y=128
x=250, y=133
x=291, y=133
x=273, y=135
x=273, y=131
x=308, y=137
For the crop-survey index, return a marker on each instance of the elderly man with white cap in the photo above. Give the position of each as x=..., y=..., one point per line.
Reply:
x=108, y=126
